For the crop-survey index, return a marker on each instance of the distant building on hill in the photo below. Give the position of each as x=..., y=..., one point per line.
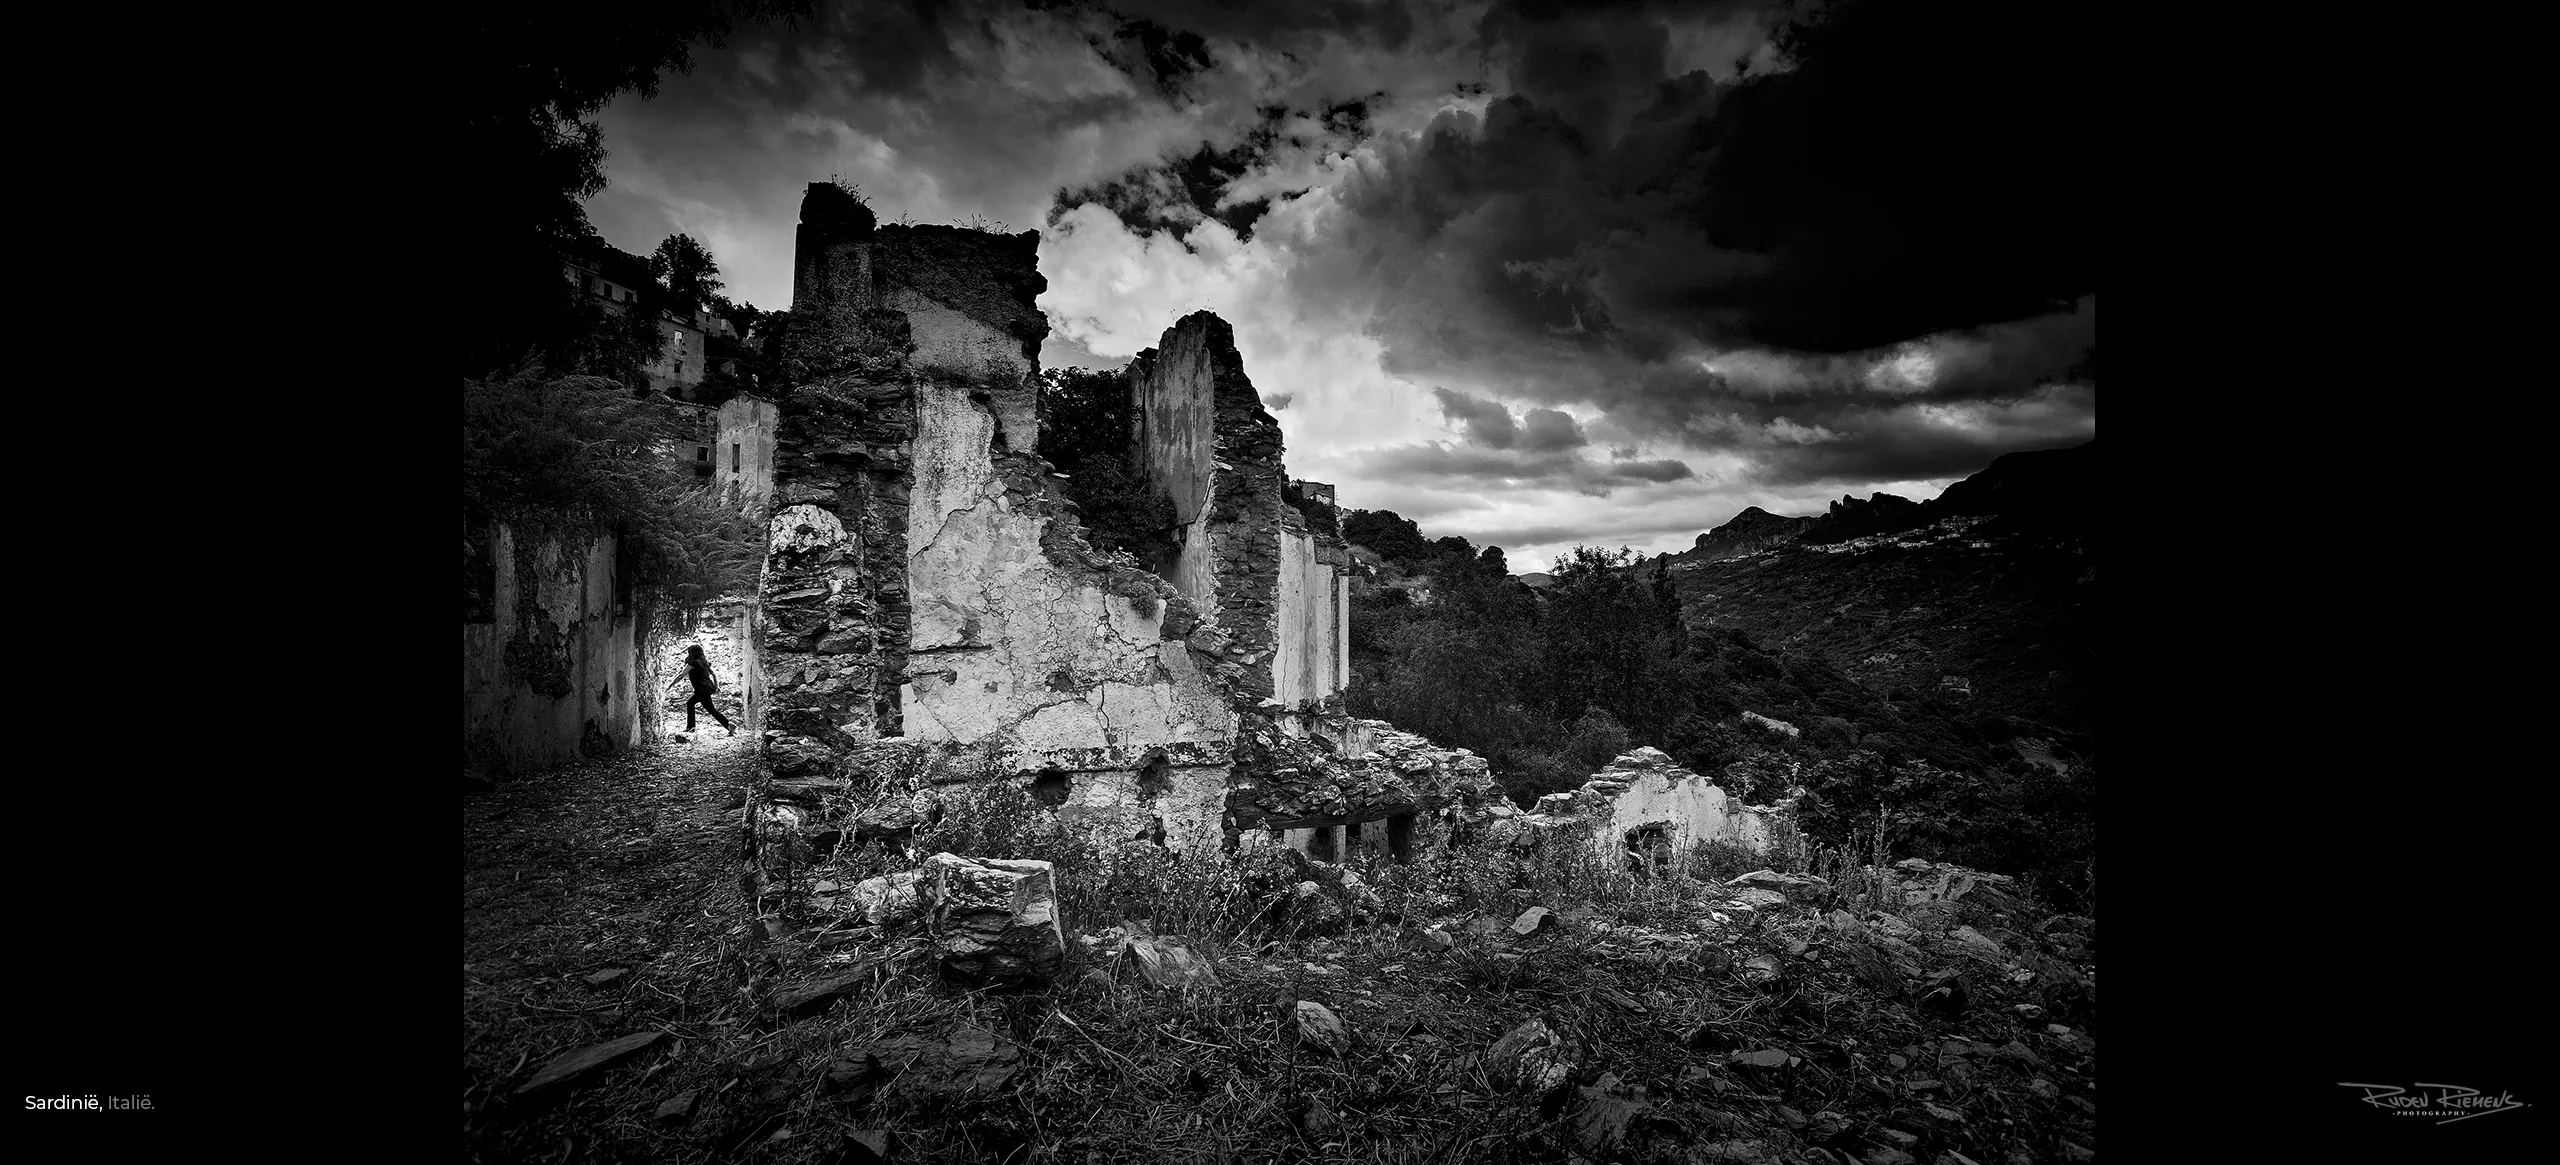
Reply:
x=622, y=281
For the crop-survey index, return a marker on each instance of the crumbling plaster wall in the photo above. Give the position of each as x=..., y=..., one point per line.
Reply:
x=561, y=653
x=1005, y=643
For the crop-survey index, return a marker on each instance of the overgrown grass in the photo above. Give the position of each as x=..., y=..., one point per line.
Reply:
x=1658, y=975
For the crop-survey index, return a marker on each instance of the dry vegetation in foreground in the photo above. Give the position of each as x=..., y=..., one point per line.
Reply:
x=1705, y=1029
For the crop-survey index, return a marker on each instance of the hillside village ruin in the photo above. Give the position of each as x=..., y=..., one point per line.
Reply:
x=929, y=592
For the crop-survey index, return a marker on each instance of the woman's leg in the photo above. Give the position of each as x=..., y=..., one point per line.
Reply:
x=688, y=710
x=714, y=709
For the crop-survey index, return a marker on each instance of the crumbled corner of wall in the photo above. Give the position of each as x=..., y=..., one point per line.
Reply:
x=992, y=278
x=1029, y=486
x=1214, y=652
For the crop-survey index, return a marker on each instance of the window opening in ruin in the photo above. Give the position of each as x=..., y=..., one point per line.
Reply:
x=702, y=452
x=1649, y=846
x=1156, y=779
x=1322, y=846
x=1400, y=839
x=1051, y=787
x=733, y=458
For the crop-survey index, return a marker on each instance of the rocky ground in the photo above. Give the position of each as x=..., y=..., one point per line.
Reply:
x=594, y=900
x=622, y=1003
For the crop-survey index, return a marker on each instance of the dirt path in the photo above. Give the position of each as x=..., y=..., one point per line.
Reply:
x=594, y=904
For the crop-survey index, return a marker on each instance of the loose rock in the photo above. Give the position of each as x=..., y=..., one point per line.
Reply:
x=1320, y=1027
x=1534, y=1057
x=586, y=1061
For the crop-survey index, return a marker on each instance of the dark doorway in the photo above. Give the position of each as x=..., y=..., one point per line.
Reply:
x=1649, y=846
x=1322, y=846
x=1400, y=839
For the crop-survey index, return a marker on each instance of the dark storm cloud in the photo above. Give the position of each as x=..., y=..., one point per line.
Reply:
x=1844, y=271
x=1386, y=25
x=1623, y=210
x=1461, y=467
x=1547, y=431
x=1485, y=422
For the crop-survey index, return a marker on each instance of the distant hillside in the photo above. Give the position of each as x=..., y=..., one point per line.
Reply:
x=1984, y=593
x=1752, y=530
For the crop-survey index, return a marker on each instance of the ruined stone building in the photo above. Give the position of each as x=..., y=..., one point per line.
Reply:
x=930, y=583
x=621, y=281
x=929, y=587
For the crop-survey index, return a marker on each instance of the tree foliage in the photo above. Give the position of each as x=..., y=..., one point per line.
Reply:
x=685, y=268
x=573, y=455
x=1086, y=431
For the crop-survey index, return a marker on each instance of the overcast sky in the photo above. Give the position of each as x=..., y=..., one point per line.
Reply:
x=1470, y=251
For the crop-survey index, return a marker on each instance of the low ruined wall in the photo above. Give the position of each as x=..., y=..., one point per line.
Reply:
x=1641, y=789
x=1301, y=780
x=560, y=654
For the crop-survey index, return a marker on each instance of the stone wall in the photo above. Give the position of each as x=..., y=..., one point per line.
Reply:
x=1307, y=790
x=562, y=655
x=1248, y=561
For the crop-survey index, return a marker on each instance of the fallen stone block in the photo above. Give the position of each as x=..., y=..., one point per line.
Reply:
x=1531, y=920
x=993, y=920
